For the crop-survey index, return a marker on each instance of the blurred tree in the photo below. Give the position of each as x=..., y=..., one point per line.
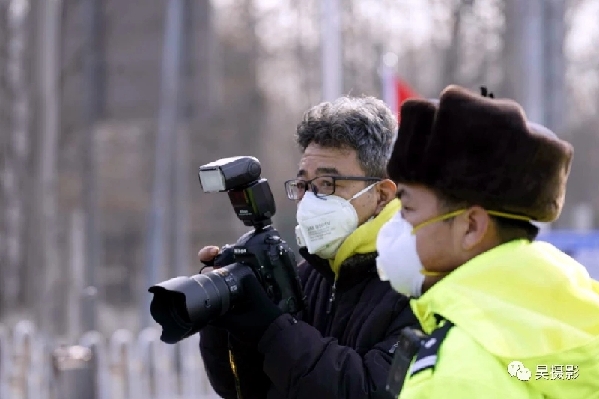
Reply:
x=18, y=150
x=452, y=59
x=4, y=139
x=49, y=45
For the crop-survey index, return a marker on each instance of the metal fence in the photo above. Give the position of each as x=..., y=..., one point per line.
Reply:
x=123, y=366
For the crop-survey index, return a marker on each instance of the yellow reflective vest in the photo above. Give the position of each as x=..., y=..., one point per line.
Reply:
x=526, y=325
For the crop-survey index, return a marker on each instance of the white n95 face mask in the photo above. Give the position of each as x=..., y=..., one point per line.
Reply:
x=324, y=223
x=398, y=261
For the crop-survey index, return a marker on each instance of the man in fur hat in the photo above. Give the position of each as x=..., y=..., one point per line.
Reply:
x=507, y=316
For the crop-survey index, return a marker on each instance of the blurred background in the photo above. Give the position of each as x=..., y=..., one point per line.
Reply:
x=108, y=108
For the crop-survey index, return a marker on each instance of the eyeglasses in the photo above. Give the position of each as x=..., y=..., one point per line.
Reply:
x=321, y=186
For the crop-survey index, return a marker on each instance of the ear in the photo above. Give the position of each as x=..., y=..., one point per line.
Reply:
x=477, y=223
x=385, y=191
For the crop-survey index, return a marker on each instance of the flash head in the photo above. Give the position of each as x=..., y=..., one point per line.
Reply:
x=229, y=173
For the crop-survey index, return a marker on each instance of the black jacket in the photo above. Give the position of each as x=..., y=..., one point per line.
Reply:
x=340, y=346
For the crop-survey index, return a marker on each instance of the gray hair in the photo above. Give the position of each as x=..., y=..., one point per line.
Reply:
x=364, y=124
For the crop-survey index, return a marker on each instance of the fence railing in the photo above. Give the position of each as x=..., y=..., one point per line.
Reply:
x=122, y=366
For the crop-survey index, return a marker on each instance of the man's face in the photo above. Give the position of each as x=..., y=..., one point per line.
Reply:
x=438, y=243
x=445, y=245
x=324, y=161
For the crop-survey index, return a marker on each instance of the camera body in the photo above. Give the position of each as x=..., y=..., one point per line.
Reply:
x=272, y=262
x=185, y=305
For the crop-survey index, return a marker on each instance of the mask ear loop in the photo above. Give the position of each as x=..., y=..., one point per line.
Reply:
x=509, y=216
x=456, y=213
x=438, y=219
x=362, y=192
x=459, y=212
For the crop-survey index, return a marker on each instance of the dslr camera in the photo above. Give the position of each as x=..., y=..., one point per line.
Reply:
x=184, y=305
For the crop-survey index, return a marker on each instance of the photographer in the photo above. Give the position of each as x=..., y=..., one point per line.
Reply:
x=341, y=345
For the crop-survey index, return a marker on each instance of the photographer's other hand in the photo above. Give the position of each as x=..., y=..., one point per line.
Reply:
x=248, y=321
x=208, y=254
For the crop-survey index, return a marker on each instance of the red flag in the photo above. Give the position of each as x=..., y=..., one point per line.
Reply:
x=403, y=91
x=394, y=89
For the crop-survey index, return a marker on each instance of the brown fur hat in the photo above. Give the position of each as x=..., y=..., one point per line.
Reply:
x=416, y=126
x=483, y=151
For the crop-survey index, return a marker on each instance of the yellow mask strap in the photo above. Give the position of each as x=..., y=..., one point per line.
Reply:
x=438, y=219
x=427, y=273
x=509, y=216
x=460, y=211
x=456, y=213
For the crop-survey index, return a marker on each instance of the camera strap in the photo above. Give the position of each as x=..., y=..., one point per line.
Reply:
x=413, y=344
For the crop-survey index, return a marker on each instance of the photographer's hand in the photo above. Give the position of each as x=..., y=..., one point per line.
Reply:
x=250, y=319
x=217, y=346
x=208, y=254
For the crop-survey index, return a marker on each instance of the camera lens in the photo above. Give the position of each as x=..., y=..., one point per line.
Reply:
x=184, y=305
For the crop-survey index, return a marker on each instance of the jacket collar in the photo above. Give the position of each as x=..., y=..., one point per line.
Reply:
x=353, y=270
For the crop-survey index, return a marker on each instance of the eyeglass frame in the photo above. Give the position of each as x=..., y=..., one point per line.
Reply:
x=334, y=177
